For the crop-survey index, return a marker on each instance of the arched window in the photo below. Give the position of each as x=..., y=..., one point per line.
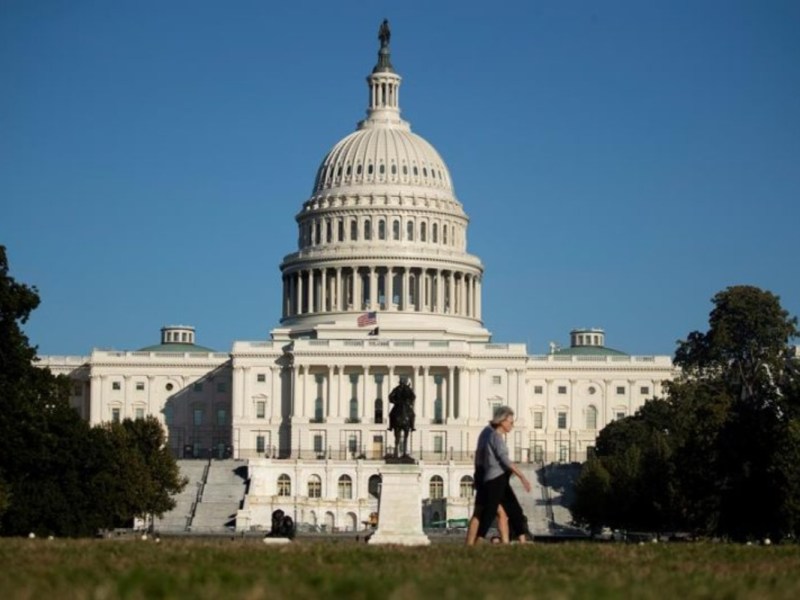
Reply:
x=374, y=486
x=396, y=230
x=410, y=231
x=381, y=229
x=353, y=230
x=367, y=229
x=591, y=418
x=341, y=230
x=284, y=485
x=422, y=232
x=436, y=487
x=467, y=487
x=444, y=234
x=328, y=231
x=435, y=233
x=314, y=487
x=345, y=487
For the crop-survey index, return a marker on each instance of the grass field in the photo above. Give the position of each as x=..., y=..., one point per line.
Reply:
x=248, y=569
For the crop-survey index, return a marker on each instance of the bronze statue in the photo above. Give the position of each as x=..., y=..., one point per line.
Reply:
x=401, y=417
x=384, y=34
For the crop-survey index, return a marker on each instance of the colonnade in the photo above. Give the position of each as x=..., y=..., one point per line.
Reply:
x=404, y=289
x=343, y=394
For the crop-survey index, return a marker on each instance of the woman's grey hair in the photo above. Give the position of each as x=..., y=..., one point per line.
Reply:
x=501, y=413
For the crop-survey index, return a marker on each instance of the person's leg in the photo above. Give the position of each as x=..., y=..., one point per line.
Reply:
x=493, y=495
x=472, y=529
x=502, y=525
x=516, y=517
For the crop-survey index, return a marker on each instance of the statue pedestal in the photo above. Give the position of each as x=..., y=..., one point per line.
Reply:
x=400, y=507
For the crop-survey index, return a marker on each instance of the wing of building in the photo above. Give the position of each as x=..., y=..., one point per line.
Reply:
x=381, y=288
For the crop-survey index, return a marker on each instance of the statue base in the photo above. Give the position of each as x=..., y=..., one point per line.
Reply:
x=400, y=506
x=276, y=541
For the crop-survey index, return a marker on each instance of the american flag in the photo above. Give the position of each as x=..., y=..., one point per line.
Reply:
x=367, y=319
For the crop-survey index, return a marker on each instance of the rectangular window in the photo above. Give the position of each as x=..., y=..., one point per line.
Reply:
x=538, y=420
x=221, y=387
x=537, y=389
x=140, y=386
x=261, y=410
x=563, y=454
x=538, y=453
x=562, y=420
x=562, y=389
x=222, y=416
x=197, y=387
x=319, y=445
x=620, y=415
x=77, y=389
x=261, y=378
x=620, y=390
x=115, y=385
x=140, y=413
x=644, y=390
x=115, y=415
x=497, y=379
x=438, y=444
x=352, y=443
x=260, y=444
x=198, y=416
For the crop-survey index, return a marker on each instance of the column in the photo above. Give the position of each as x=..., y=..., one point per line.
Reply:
x=439, y=307
x=357, y=289
x=95, y=400
x=276, y=396
x=300, y=292
x=238, y=392
x=324, y=291
x=339, y=296
x=388, y=289
x=452, y=293
x=340, y=413
x=462, y=398
x=478, y=307
x=373, y=289
x=362, y=412
x=404, y=300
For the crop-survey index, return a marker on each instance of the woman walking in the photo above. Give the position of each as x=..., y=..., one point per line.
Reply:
x=493, y=470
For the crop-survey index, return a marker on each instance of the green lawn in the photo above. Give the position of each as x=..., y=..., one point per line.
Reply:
x=248, y=569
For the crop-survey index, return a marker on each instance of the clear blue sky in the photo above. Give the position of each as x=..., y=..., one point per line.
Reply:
x=621, y=162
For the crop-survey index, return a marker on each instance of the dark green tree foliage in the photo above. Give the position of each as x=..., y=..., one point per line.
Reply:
x=133, y=470
x=630, y=481
x=58, y=475
x=720, y=456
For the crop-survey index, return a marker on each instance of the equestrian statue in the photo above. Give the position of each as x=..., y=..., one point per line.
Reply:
x=401, y=417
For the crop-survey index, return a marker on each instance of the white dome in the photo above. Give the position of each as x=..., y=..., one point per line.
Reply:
x=382, y=155
x=383, y=233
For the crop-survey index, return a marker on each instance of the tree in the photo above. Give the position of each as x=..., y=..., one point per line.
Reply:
x=57, y=474
x=719, y=456
x=40, y=435
x=737, y=399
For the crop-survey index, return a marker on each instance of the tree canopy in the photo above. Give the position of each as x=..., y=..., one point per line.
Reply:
x=719, y=455
x=58, y=475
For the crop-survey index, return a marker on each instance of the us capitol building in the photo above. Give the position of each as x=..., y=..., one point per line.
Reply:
x=381, y=288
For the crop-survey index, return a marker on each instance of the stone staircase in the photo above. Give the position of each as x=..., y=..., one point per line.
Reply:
x=179, y=517
x=220, y=496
